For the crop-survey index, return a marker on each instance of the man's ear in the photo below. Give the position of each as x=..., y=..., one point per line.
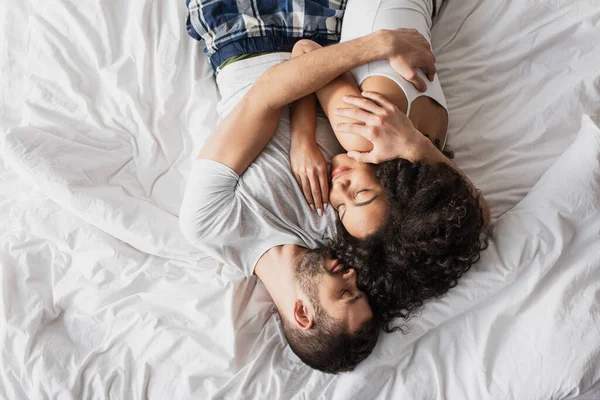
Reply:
x=303, y=314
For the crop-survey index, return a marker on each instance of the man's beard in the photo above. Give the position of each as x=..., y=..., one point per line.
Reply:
x=308, y=272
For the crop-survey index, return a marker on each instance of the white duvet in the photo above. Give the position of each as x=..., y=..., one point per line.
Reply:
x=102, y=108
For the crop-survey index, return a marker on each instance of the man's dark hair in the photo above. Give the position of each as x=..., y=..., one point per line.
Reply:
x=328, y=345
x=431, y=236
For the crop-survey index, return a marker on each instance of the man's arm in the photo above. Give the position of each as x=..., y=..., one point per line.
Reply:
x=242, y=135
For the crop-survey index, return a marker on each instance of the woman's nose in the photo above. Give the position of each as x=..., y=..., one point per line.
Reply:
x=341, y=189
x=344, y=182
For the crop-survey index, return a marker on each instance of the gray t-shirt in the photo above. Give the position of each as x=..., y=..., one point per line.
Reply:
x=237, y=219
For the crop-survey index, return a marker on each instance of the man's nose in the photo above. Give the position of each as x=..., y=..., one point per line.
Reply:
x=349, y=273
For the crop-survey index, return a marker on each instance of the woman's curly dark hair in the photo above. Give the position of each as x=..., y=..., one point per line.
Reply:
x=431, y=237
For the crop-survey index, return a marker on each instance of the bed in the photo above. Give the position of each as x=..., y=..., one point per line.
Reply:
x=103, y=106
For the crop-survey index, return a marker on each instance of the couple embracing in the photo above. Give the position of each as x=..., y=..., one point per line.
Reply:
x=327, y=175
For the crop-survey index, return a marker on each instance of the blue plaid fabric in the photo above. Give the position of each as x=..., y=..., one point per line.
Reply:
x=230, y=28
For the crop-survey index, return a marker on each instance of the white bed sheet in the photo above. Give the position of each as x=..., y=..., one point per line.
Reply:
x=102, y=297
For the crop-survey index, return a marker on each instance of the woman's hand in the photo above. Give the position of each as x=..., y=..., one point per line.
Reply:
x=310, y=170
x=385, y=126
x=410, y=51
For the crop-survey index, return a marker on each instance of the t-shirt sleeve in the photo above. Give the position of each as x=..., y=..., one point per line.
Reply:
x=209, y=196
x=215, y=218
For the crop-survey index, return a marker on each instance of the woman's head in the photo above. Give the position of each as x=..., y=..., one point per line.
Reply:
x=357, y=196
x=424, y=234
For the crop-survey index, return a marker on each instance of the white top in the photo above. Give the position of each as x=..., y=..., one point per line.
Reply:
x=237, y=219
x=365, y=16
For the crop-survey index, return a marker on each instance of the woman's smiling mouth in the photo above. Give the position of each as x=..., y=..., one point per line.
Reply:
x=338, y=171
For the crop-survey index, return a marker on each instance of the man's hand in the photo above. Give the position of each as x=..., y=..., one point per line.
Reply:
x=409, y=52
x=310, y=170
x=258, y=112
x=385, y=126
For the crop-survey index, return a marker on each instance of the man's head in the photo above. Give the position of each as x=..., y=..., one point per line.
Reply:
x=331, y=327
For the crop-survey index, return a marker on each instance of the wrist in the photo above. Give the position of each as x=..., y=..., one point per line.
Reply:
x=420, y=149
x=303, y=139
x=382, y=43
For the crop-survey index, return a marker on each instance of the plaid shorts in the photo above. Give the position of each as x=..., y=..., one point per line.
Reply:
x=231, y=28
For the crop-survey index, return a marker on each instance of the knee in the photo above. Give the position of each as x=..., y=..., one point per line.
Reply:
x=304, y=46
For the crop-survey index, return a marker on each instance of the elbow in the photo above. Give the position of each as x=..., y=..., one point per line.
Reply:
x=304, y=46
x=189, y=225
x=187, y=228
x=352, y=142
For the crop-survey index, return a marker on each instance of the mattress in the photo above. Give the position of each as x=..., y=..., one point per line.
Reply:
x=103, y=107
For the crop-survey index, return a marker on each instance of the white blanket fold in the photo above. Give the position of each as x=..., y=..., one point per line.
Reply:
x=101, y=296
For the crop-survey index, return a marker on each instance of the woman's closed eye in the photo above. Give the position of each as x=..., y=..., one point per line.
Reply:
x=361, y=194
x=340, y=210
x=364, y=197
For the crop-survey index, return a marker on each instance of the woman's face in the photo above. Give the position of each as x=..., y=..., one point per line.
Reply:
x=357, y=196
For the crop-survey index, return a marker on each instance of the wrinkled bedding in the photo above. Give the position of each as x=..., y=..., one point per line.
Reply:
x=103, y=107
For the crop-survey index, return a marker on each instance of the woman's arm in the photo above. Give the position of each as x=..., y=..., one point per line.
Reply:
x=252, y=122
x=306, y=160
x=303, y=112
x=393, y=135
x=330, y=97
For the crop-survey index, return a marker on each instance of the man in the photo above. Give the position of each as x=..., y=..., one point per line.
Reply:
x=242, y=204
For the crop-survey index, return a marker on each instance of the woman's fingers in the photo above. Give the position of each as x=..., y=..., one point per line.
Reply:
x=358, y=115
x=367, y=158
x=368, y=132
x=324, y=183
x=380, y=101
x=364, y=104
x=315, y=188
x=307, y=196
x=305, y=185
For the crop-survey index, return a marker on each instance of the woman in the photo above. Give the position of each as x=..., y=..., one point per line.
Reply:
x=409, y=220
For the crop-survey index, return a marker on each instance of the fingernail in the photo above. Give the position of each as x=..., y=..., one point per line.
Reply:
x=325, y=206
x=337, y=110
x=312, y=208
x=346, y=97
x=319, y=212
